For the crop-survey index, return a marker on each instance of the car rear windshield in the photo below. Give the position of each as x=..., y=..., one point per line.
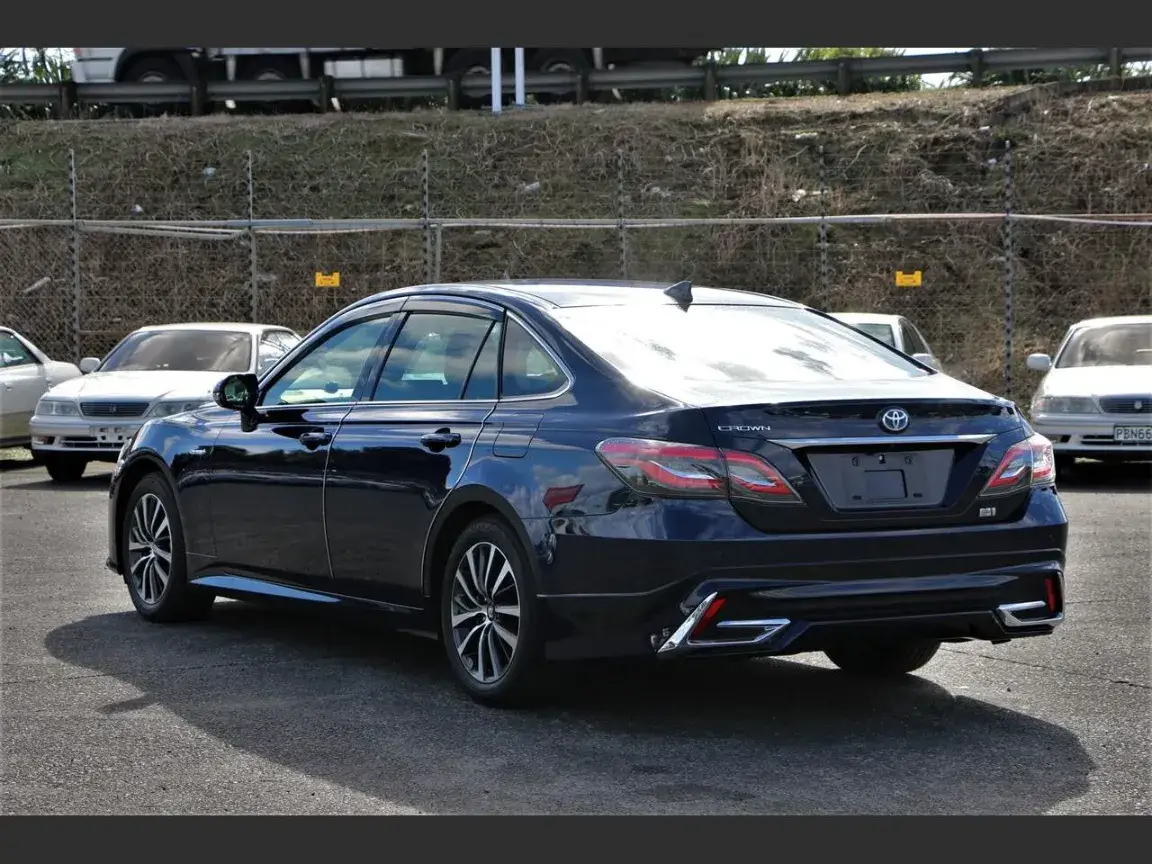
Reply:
x=658, y=346
x=181, y=351
x=1128, y=344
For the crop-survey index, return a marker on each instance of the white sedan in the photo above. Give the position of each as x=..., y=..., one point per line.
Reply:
x=153, y=372
x=894, y=330
x=1095, y=399
x=26, y=373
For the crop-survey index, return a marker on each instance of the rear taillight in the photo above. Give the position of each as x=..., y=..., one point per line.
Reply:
x=1031, y=462
x=668, y=469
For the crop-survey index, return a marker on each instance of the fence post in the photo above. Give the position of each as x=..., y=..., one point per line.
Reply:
x=76, y=283
x=253, y=259
x=431, y=267
x=1009, y=268
x=824, y=286
x=621, y=194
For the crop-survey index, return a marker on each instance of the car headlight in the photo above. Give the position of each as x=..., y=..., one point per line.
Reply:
x=1064, y=405
x=167, y=409
x=56, y=408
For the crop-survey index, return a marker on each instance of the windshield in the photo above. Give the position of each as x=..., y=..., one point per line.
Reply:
x=877, y=331
x=1128, y=344
x=181, y=351
x=661, y=346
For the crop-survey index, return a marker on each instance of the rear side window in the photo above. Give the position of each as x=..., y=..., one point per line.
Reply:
x=431, y=358
x=528, y=369
x=682, y=352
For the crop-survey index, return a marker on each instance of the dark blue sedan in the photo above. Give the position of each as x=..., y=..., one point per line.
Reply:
x=545, y=470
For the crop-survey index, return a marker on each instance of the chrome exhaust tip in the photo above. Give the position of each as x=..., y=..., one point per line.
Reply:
x=681, y=639
x=1009, y=615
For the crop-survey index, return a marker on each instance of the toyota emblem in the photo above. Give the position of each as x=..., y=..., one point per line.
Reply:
x=894, y=420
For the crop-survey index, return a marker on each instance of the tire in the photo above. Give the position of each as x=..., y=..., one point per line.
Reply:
x=884, y=659
x=558, y=60
x=64, y=469
x=470, y=61
x=264, y=67
x=151, y=516
x=160, y=69
x=490, y=667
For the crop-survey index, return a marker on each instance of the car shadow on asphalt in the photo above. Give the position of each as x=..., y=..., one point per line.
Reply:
x=340, y=699
x=1090, y=476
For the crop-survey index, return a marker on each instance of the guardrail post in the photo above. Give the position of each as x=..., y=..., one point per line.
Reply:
x=976, y=63
x=843, y=78
x=710, y=87
x=1116, y=62
x=454, y=93
x=76, y=283
x=582, y=87
x=66, y=107
x=198, y=88
x=327, y=92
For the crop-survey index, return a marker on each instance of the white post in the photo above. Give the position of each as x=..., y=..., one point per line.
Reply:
x=497, y=83
x=519, y=77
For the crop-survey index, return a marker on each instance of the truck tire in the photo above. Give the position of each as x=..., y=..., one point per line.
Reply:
x=158, y=68
x=559, y=60
x=470, y=61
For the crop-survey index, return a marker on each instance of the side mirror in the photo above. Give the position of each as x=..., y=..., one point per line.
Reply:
x=88, y=364
x=927, y=360
x=237, y=393
x=1039, y=362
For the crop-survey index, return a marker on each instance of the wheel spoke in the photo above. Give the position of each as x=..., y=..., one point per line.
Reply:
x=513, y=611
x=481, y=644
x=505, y=634
x=462, y=581
x=493, y=653
x=505, y=572
x=459, y=619
x=163, y=555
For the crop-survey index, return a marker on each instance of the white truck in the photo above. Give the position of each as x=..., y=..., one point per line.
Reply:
x=107, y=65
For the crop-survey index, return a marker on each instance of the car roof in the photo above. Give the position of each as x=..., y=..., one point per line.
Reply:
x=866, y=317
x=242, y=326
x=570, y=293
x=1113, y=319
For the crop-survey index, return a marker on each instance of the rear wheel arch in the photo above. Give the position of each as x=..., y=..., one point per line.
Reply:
x=462, y=507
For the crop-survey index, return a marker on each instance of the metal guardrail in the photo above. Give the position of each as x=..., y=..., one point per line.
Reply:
x=198, y=94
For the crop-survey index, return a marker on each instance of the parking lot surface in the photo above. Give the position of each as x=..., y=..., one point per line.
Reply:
x=264, y=711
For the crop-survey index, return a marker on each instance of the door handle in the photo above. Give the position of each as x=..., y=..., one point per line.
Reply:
x=440, y=439
x=311, y=440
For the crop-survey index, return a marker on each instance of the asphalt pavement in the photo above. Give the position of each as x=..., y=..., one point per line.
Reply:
x=260, y=711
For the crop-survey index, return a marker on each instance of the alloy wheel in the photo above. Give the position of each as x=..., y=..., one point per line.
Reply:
x=149, y=549
x=485, y=612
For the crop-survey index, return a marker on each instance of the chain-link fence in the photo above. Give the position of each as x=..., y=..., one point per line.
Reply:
x=194, y=228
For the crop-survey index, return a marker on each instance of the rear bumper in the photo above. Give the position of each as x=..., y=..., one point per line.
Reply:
x=1093, y=436
x=786, y=595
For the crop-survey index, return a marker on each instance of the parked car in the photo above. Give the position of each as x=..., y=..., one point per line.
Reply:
x=894, y=330
x=602, y=469
x=153, y=372
x=26, y=373
x=1095, y=399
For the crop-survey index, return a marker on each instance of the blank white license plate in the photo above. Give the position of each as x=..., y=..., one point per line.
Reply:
x=111, y=434
x=1138, y=434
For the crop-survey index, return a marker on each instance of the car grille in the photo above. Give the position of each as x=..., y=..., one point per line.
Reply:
x=1127, y=404
x=113, y=409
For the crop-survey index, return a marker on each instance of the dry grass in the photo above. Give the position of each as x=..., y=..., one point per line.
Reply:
x=926, y=152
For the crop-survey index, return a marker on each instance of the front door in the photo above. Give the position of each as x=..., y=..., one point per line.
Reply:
x=402, y=449
x=22, y=383
x=267, y=483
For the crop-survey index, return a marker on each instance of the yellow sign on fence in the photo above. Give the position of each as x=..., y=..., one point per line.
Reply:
x=328, y=280
x=908, y=280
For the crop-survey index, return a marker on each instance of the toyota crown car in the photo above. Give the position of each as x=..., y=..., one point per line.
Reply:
x=538, y=471
x=1095, y=399
x=26, y=373
x=153, y=372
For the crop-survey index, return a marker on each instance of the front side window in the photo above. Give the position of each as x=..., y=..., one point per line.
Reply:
x=431, y=358
x=13, y=352
x=181, y=351
x=330, y=371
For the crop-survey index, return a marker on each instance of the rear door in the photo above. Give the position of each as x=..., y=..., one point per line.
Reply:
x=402, y=449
